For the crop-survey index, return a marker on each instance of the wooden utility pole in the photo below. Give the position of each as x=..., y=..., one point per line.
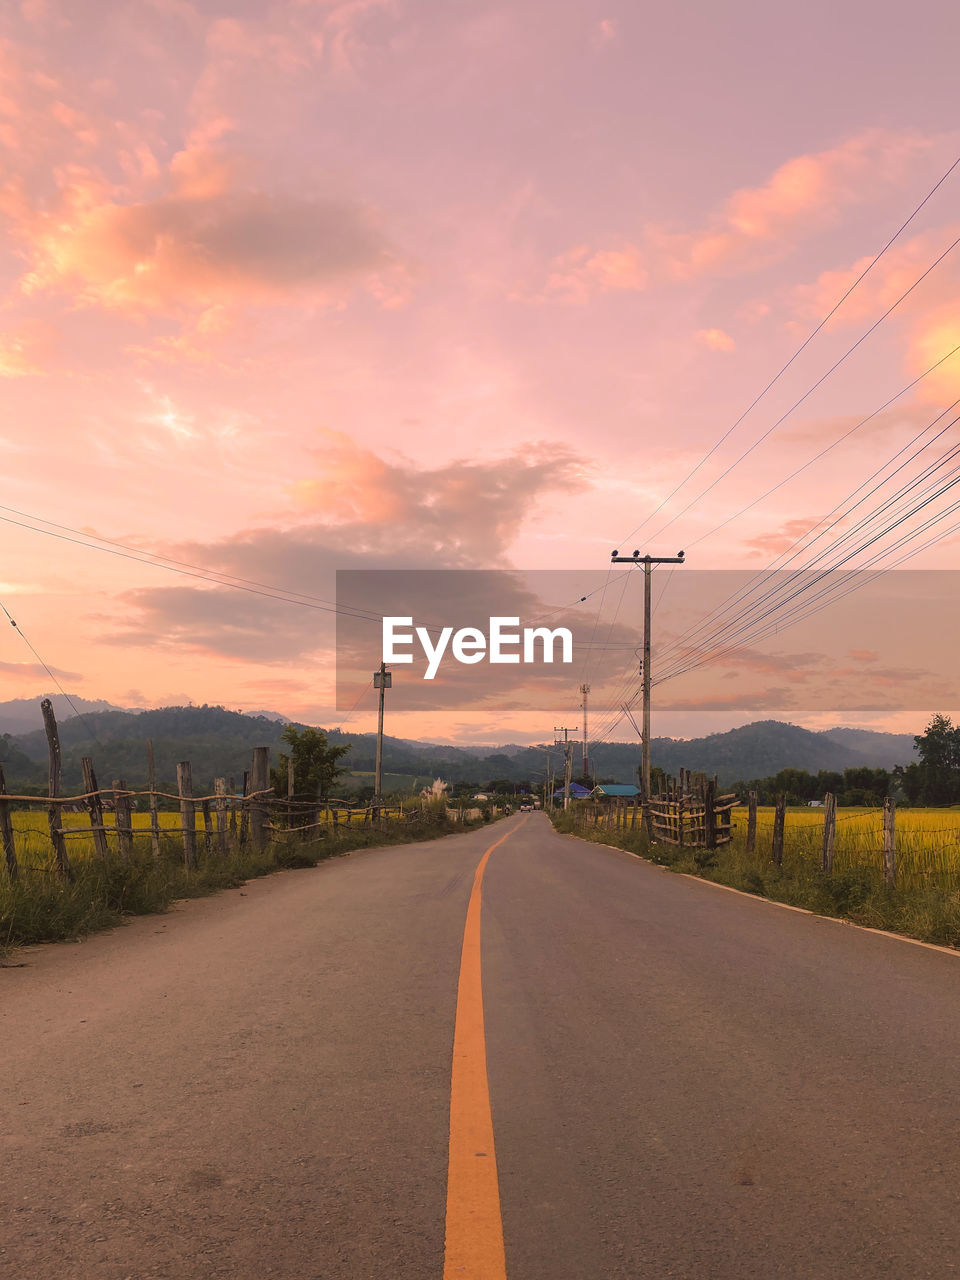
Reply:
x=585, y=691
x=648, y=562
x=382, y=679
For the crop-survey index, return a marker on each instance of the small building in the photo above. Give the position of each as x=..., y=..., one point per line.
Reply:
x=577, y=792
x=615, y=791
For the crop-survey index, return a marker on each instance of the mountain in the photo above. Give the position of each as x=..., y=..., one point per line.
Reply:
x=881, y=750
x=219, y=742
x=20, y=715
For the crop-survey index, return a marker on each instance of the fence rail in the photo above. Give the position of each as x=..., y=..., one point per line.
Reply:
x=206, y=823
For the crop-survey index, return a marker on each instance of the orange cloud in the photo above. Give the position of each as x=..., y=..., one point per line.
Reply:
x=211, y=246
x=932, y=338
x=581, y=272
x=459, y=504
x=716, y=339
x=25, y=351
x=930, y=313
x=757, y=224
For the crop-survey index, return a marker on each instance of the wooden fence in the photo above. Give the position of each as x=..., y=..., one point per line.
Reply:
x=888, y=855
x=208, y=824
x=687, y=811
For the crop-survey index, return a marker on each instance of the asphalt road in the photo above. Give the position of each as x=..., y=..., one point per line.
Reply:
x=684, y=1082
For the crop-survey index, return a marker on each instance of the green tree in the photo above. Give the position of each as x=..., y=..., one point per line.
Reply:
x=315, y=763
x=939, y=750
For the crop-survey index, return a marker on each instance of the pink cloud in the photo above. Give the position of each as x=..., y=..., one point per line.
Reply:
x=784, y=537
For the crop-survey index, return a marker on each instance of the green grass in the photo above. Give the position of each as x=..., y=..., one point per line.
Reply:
x=925, y=904
x=41, y=906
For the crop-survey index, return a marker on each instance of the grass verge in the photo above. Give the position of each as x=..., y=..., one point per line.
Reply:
x=41, y=907
x=930, y=912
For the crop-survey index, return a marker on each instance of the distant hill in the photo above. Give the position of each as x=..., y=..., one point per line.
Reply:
x=21, y=715
x=219, y=742
x=884, y=750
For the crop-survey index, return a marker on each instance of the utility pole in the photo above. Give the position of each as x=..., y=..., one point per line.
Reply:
x=547, y=794
x=648, y=562
x=382, y=679
x=585, y=690
x=567, y=746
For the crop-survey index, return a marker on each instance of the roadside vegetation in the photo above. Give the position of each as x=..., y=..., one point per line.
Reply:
x=41, y=906
x=925, y=903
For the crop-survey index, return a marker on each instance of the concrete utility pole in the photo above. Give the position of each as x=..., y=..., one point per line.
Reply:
x=585, y=690
x=382, y=679
x=648, y=562
x=567, y=746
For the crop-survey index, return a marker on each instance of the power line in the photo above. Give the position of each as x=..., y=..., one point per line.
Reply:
x=806, y=395
x=823, y=452
x=782, y=370
x=76, y=710
x=795, y=549
x=746, y=631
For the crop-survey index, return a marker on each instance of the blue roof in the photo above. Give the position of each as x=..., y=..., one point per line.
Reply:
x=577, y=790
x=616, y=789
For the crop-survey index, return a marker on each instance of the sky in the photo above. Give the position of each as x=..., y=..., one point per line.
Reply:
x=293, y=288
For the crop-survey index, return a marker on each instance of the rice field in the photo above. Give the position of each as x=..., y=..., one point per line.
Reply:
x=927, y=842
x=31, y=832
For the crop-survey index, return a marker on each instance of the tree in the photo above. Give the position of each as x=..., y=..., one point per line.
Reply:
x=939, y=750
x=315, y=763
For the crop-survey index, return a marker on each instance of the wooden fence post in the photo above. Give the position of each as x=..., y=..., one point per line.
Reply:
x=889, y=854
x=220, y=787
x=122, y=817
x=290, y=809
x=751, y=821
x=779, y=818
x=95, y=807
x=829, y=832
x=233, y=805
x=6, y=831
x=710, y=816
x=207, y=825
x=259, y=781
x=244, y=809
x=187, y=813
x=53, y=787
x=680, y=810
x=152, y=785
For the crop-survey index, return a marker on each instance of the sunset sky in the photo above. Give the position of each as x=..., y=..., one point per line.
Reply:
x=298, y=287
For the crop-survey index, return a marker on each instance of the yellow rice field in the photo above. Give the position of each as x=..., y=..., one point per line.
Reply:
x=33, y=847
x=927, y=841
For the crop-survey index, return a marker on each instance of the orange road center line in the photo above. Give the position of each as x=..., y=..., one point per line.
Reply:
x=474, y=1234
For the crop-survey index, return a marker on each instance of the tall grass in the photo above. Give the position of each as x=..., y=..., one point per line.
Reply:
x=41, y=906
x=924, y=904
